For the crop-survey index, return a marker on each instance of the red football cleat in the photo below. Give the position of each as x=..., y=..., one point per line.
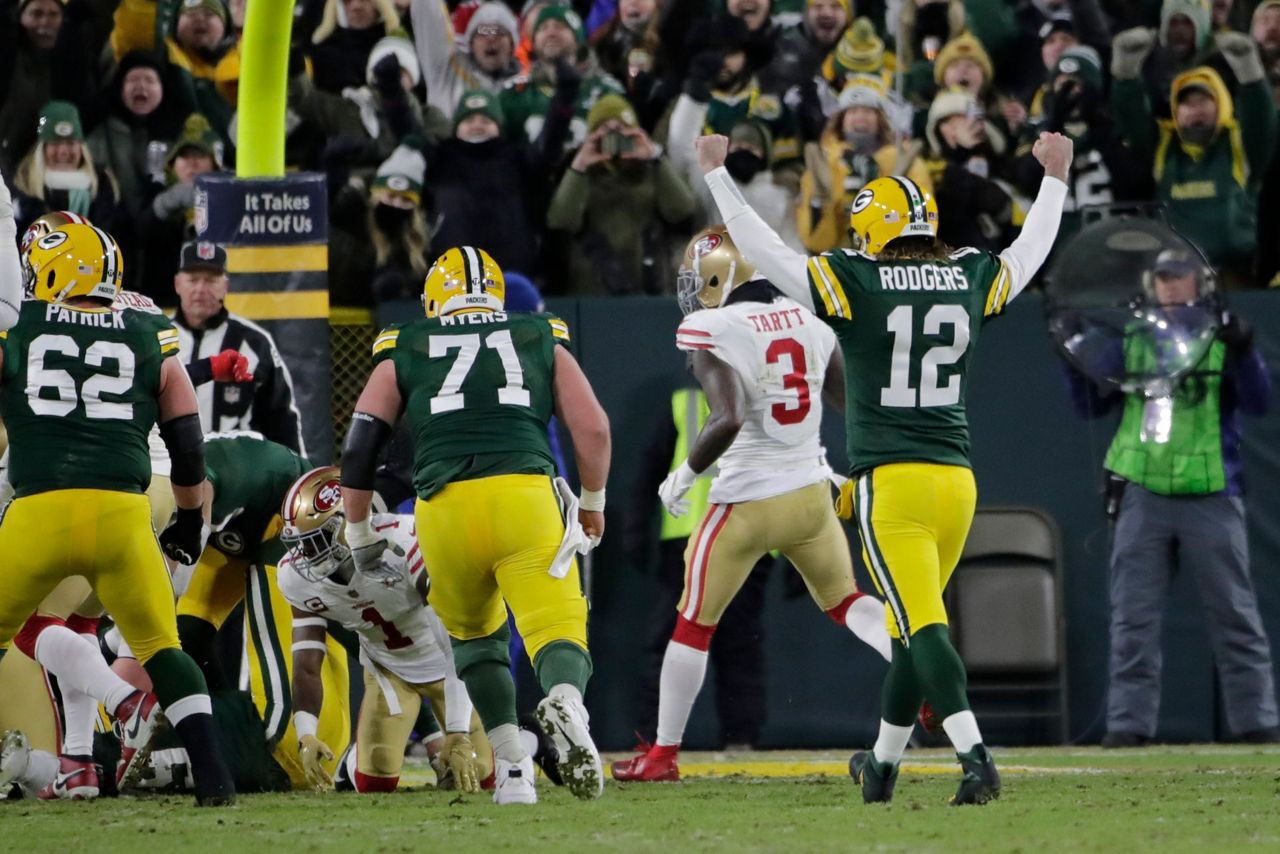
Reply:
x=656, y=765
x=138, y=719
x=77, y=780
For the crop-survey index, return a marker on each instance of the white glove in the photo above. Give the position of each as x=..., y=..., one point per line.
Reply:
x=1241, y=55
x=367, y=550
x=1129, y=49
x=674, y=488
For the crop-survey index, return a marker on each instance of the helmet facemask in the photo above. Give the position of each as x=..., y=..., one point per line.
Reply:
x=317, y=554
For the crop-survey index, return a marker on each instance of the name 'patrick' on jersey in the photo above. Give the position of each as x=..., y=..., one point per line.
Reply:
x=780, y=351
x=393, y=623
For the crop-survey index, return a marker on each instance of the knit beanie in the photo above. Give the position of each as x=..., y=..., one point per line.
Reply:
x=611, y=106
x=495, y=14
x=1081, y=61
x=564, y=15
x=478, y=101
x=59, y=121
x=402, y=173
x=394, y=44
x=860, y=50
x=963, y=46
x=1197, y=11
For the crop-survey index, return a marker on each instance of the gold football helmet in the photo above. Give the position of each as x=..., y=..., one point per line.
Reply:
x=313, y=517
x=711, y=268
x=75, y=260
x=44, y=224
x=463, y=279
x=889, y=208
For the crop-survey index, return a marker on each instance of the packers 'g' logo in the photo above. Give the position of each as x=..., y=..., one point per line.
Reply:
x=861, y=201
x=52, y=241
x=229, y=542
x=705, y=246
x=328, y=496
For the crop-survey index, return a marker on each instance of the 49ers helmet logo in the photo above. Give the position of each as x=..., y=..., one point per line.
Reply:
x=328, y=496
x=705, y=246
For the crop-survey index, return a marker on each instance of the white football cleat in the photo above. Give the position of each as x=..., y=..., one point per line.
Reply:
x=15, y=755
x=564, y=720
x=514, y=782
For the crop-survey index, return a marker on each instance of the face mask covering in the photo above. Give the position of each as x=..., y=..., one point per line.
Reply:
x=862, y=141
x=743, y=165
x=391, y=220
x=1196, y=134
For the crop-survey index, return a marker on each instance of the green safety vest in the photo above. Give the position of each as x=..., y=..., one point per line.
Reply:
x=1190, y=463
x=689, y=411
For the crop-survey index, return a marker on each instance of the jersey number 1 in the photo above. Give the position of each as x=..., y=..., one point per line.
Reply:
x=450, y=396
x=394, y=640
x=901, y=323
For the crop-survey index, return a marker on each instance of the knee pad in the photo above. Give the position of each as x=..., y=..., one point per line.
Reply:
x=693, y=634
x=385, y=762
x=494, y=647
x=25, y=639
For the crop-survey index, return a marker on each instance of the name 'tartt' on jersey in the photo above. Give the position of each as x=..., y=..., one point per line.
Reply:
x=780, y=351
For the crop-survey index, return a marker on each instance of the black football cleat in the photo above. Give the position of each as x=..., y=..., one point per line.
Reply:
x=877, y=779
x=981, y=780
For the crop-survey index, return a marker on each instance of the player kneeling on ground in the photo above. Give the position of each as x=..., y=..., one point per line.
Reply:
x=404, y=648
x=477, y=387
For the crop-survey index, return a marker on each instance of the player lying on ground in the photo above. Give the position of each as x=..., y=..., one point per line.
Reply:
x=764, y=363
x=907, y=312
x=477, y=387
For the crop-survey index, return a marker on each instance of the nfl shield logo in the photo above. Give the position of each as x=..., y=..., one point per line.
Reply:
x=201, y=211
x=206, y=250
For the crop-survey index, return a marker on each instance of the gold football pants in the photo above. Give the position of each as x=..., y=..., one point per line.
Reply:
x=490, y=541
x=914, y=519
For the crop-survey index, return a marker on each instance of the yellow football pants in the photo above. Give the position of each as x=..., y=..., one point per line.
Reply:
x=102, y=535
x=914, y=519
x=381, y=735
x=491, y=540
x=218, y=584
x=732, y=537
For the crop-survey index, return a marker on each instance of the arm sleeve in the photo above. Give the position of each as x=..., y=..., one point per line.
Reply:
x=457, y=703
x=433, y=38
x=10, y=267
x=785, y=268
x=687, y=119
x=1021, y=261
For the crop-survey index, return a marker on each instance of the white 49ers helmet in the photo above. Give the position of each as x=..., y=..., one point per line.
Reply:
x=313, y=520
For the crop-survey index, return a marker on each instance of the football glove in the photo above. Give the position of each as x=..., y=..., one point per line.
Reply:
x=674, y=488
x=369, y=562
x=1241, y=54
x=1129, y=49
x=230, y=366
x=312, y=752
x=459, y=759
x=844, y=501
x=183, y=539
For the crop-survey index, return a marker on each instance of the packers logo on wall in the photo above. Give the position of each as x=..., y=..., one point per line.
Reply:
x=229, y=542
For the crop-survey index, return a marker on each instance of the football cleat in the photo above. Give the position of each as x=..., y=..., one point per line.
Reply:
x=565, y=723
x=981, y=780
x=15, y=756
x=77, y=780
x=654, y=765
x=138, y=720
x=876, y=778
x=514, y=783
x=545, y=756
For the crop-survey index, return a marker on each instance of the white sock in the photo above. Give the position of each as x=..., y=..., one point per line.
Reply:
x=42, y=767
x=506, y=743
x=565, y=691
x=528, y=742
x=891, y=742
x=962, y=729
x=865, y=618
x=79, y=666
x=683, y=670
x=79, y=710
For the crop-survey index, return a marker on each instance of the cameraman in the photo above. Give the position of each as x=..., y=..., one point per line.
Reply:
x=1176, y=462
x=614, y=204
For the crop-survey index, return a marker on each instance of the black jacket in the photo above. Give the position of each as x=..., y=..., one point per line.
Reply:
x=264, y=405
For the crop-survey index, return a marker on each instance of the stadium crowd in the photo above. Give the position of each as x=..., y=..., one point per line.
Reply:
x=580, y=119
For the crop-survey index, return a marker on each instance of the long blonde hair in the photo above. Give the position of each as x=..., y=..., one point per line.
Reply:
x=415, y=241
x=29, y=178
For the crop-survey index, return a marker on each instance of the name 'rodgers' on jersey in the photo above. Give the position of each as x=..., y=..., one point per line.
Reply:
x=478, y=395
x=908, y=329
x=78, y=394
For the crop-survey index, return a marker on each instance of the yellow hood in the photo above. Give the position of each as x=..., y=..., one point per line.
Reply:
x=1205, y=77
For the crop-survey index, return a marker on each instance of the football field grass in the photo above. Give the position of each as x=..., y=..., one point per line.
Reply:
x=1177, y=798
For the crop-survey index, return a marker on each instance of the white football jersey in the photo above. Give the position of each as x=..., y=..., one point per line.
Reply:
x=780, y=351
x=397, y=630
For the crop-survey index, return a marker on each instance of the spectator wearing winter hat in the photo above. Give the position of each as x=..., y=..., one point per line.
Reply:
x=133, y=141
x=925, y=26
x=1105, y=170
x=341, y=43
x=963, y=63
x=1184, y=40
x=1264, y=29
x=365, y=124
x=59, y=174
x=42, y=58
x=1045, y=29
x=564, y=75
x=975, y=203
x=204, y=54
x=487, y=188
x=859, y=52
x=1209, y=159
x=856, y=147
x=485, y=60
x=615, y=202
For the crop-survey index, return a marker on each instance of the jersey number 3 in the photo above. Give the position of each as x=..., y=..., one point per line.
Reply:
x=40, y=378
x=796, y=379
x=450, y=396
x=901, y=323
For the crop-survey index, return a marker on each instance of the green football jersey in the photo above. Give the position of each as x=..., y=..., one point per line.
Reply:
x=908, y=331
x=477, y=393
x=250, y=476
x=78, y=395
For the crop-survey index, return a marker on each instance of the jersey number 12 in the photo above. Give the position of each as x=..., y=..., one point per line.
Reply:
x=901, y=322
x=450, y=396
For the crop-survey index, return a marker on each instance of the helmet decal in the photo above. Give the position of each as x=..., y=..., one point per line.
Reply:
x=52, y=241
x=861, y=201
x=328, y=496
